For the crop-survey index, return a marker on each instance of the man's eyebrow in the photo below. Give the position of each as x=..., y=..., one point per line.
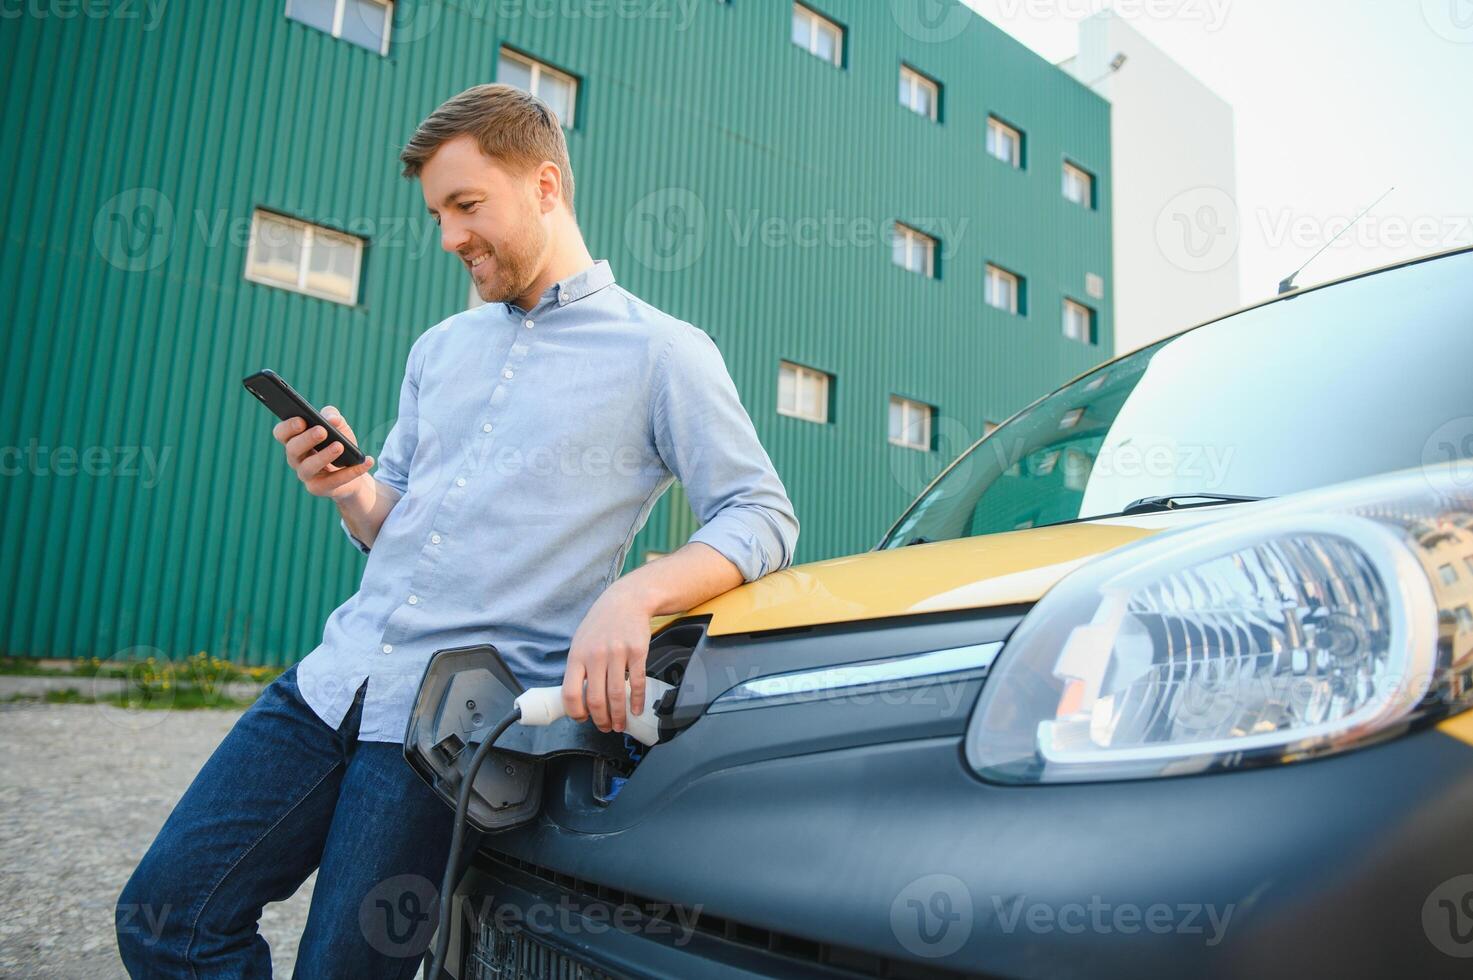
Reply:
x=450, y=198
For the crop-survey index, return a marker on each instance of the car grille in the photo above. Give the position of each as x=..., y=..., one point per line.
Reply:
x=503, y=954
x=833, y=960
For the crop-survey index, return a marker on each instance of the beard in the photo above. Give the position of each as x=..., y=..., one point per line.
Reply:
x=514, y=266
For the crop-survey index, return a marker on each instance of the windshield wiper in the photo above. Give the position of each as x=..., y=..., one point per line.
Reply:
x=1175, y=501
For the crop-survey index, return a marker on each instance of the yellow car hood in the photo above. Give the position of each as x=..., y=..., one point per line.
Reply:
x=968, y=573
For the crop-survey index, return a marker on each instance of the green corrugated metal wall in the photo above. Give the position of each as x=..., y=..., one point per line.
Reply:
x=144, y=503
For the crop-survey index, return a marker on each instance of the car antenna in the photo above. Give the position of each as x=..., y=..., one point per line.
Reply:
x=1287, y=285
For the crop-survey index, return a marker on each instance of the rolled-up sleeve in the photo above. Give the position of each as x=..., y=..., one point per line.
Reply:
x=706, y=438
x=391, y=468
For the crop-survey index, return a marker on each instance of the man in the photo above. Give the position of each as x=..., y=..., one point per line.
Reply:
x=534, y=435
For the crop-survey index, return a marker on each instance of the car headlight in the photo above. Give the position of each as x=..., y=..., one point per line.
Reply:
x=1303, y=627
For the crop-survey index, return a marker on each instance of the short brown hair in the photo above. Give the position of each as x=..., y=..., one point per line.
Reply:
x=512, y=127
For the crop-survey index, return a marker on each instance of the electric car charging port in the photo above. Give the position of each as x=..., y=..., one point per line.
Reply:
x=669, y=653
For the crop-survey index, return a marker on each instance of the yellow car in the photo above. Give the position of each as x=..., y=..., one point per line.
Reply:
x=1166, y=676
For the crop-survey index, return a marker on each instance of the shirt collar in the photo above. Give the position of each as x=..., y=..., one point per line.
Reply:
x=570, y=290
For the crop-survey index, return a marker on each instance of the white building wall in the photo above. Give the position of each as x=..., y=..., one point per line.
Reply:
x=1173, y=183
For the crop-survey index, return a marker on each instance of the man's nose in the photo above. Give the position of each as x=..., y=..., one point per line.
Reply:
x=452, y=239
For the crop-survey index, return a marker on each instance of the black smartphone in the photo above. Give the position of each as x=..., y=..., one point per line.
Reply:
x=270, y=390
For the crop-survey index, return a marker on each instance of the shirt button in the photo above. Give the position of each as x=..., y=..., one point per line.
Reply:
x=388, y=648
x=506, y=374
x=460, y=481
x=486, y=427
x=529, y=324
x=435, y=539
x=414, y=600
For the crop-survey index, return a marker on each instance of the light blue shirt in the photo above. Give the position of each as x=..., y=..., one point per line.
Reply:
x=529, y=448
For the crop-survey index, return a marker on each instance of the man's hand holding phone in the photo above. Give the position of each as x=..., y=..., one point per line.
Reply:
x=315, y=468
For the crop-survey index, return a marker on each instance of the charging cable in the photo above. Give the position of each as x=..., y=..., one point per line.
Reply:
x=457, y=836
x=536, y=706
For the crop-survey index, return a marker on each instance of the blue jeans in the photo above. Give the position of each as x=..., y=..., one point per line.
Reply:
x=284, y=794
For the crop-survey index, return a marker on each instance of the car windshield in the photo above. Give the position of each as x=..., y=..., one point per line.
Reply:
x=1362, y=377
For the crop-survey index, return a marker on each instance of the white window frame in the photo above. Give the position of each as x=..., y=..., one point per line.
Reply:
x=818, y=22
x=996, y=126
x=305, y=263
x=914, y=417
x=997, y=272
x=1071, y=306
x=337, y=21
x=911, y=81
x=1085, y=181
x=917, y=244
x=540, y=68
x=802, y=376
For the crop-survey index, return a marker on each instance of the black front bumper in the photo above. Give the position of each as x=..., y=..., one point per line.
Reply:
x=895, y=860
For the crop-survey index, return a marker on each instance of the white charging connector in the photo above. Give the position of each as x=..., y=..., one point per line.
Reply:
x=544, y=705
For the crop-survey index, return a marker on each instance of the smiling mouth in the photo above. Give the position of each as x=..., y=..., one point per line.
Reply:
x=476, y=261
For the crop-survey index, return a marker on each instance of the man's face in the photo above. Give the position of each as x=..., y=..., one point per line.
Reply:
x=494, y=220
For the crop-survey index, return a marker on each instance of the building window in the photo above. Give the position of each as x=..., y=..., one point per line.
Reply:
x=1004, y=290
x=361, y=22
x=919, y=94
x=1448, y=574
x=803, y=392
x=818, y=35
x=1079, y=322
x=1079, y=186
x=1077, y=467
x=304, y=258
x=1071, y=418
x=910, y=423
x=1004, y=142
x=556, y=88
x=913, y=250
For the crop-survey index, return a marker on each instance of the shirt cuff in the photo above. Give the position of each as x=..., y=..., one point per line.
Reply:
x=351, y=537
x=738, y=543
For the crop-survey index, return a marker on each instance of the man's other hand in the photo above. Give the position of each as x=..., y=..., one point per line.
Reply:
x=611, y=643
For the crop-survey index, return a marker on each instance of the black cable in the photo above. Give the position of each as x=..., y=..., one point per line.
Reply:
x=452, y=863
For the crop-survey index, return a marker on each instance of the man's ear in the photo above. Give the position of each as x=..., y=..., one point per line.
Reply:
x=549, y=185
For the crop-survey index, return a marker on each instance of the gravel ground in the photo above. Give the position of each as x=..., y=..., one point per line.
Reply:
x=83, y=791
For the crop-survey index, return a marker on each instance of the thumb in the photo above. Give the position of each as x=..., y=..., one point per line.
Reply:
x=331, y=413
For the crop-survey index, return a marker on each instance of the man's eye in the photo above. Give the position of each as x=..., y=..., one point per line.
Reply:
x=468, y=206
